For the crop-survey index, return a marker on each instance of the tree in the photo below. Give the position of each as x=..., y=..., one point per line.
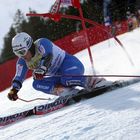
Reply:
x=18, y=20
x=16, y=27
x=7, y=52
x=39, y=27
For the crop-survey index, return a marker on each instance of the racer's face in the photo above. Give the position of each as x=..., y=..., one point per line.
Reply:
x=28, y=56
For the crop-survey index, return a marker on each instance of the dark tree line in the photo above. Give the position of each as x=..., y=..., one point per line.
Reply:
x=39, y=27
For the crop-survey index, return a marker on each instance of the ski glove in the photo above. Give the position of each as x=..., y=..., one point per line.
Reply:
x=12, y=95
x=39, y=73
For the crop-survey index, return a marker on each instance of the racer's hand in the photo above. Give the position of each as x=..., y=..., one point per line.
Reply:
x=12, y=95
x=39, y=73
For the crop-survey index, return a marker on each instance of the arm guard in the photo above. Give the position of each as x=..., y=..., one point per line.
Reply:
x=46, y=61
x=16, y=84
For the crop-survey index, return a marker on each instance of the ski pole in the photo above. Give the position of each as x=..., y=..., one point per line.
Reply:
x=128, y=56
x=97, y=75
x=34, y=99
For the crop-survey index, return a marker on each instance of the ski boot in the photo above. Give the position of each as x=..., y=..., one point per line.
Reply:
x=95, y=83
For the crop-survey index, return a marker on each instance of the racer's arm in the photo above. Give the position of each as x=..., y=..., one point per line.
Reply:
x=21, y=70
x=45, y=48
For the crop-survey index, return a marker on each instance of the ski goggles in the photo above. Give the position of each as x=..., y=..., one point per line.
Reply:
x=20, y=53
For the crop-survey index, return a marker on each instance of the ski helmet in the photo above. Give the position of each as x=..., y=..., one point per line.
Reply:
x=21, y=43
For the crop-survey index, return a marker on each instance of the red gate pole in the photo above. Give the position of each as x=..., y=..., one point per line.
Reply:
x=57, y=17
x=86, y=37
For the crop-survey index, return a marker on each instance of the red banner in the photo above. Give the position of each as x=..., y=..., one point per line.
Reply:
x=72, y=43
x=74, y=3
x=55, y=7
x=67, y=2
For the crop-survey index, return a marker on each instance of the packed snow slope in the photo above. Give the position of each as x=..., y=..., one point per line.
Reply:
x=111, y=116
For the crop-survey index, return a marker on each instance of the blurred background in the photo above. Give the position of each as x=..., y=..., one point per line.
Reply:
x=114, y=16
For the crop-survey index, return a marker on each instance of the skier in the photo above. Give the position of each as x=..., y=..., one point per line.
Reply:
x=43, y=57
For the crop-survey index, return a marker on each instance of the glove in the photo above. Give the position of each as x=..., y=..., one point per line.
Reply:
x=12, y=95
x=39, y=73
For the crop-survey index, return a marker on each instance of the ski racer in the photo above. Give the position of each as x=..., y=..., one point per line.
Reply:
x=43, y=57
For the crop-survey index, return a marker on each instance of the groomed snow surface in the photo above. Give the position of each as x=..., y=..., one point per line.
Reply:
x=111, y=116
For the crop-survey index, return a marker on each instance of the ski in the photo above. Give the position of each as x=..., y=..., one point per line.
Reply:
x=63, y=101
x=37, y=110
x=6, y=120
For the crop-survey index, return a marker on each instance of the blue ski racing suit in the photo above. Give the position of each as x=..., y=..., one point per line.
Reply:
x=59, y=70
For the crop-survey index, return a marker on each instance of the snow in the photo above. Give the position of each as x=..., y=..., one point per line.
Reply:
x=114, y=115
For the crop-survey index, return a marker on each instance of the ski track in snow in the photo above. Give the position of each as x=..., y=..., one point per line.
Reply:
x=111, y=116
